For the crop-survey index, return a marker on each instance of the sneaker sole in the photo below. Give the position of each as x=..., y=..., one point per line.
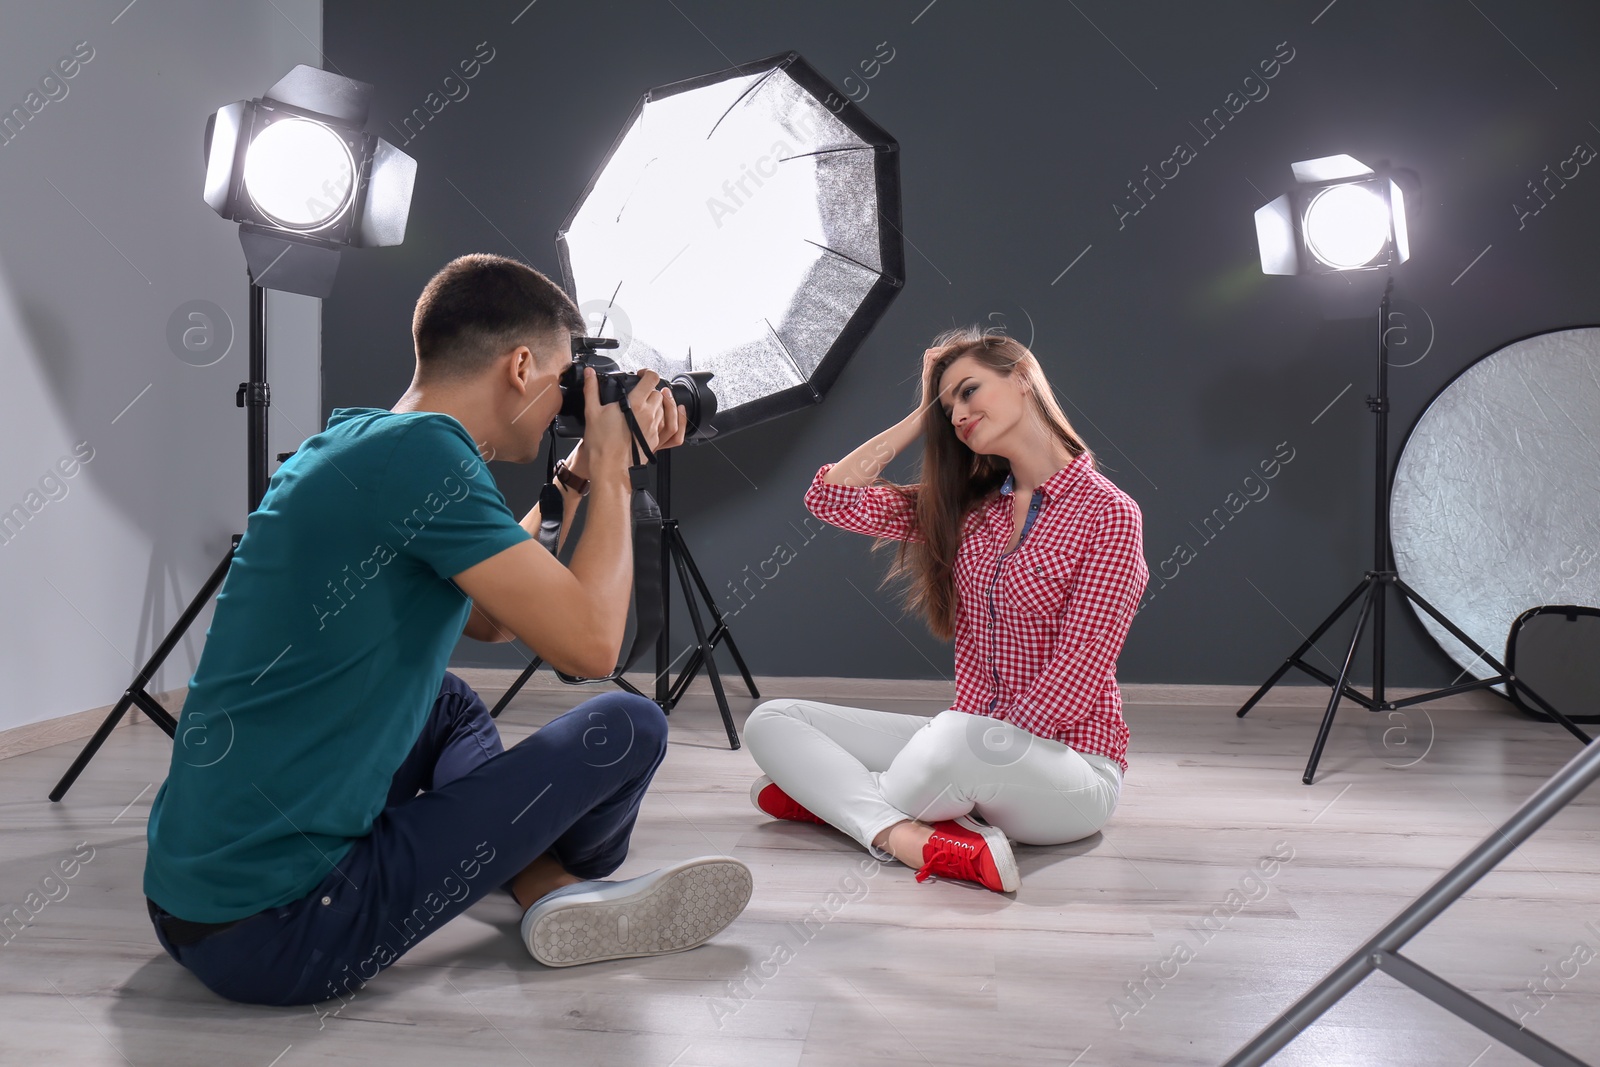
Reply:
x=1005, y=861
x=678, y=908
x=755, y=795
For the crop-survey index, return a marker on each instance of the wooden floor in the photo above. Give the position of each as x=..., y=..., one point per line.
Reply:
x=890, y=971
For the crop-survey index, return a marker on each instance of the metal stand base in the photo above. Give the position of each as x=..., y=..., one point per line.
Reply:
x=668, y=692
x=255, y=396
x=1372, y=591
x=1383, y=951
x=136, y=692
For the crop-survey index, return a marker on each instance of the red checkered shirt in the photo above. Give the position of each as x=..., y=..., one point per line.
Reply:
x=1039, y=627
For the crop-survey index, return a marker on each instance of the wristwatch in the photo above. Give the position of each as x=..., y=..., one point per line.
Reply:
x=565, y=476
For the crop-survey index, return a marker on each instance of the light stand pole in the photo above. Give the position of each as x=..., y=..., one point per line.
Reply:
x=1372, y=591
x=255, y=396
x=299, y=174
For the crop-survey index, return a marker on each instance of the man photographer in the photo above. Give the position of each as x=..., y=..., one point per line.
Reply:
x=335, y=795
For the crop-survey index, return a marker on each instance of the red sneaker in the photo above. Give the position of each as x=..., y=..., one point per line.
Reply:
x=973, y=852
x=770, y=800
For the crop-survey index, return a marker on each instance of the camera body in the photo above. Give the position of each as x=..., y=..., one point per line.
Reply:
x=614, y=384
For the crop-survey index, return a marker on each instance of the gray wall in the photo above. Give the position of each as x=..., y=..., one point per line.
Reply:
x=103, y=236
x=1021, y=126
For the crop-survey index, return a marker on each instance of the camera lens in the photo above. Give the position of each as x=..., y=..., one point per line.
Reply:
x=699, y=403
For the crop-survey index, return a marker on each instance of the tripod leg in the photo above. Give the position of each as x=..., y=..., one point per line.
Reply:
x=719, y=633
x=705, y=648
x=1380, y=601
x=716, y=614
x=1579, y=773
x=146, y=673
x=1373, y=588
x=99, y=738
x=672, y=544
x=691, y=668
x=158, y=714
x=1461, y=635
x=1571, y=726
x=1306, y=647
x=516, y=686
x=664, y=695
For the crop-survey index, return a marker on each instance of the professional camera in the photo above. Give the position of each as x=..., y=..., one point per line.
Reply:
x=689, y=389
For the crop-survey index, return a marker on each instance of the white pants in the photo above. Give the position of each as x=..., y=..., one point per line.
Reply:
x=863, y=771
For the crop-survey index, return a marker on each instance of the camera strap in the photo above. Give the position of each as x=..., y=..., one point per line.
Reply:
x=649, y=607
x=649, y=603
x=649, y=594
x=638, y=437
x=551, y=506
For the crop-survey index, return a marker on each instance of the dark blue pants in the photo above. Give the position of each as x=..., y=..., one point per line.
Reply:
x=572, y=789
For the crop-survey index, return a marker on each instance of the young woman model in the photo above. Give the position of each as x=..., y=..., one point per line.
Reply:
x=1019, y=549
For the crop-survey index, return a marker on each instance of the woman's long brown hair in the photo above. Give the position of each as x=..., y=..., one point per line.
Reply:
x=954, y=479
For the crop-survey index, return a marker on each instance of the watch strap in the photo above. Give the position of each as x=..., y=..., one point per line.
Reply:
x=565, y=476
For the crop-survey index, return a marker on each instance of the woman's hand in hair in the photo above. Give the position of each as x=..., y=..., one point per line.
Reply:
x=929, y=358
x=862, y=466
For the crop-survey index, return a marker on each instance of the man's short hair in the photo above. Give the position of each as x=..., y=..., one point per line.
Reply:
x=480, y=306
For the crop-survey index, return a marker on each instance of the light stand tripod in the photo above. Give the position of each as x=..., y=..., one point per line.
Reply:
x=674, y=555
x=255, y=396
x=1372, y=592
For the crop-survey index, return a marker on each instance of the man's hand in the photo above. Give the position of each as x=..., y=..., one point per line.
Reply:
x=663, y=422
x=671, y=418
x=606, y=442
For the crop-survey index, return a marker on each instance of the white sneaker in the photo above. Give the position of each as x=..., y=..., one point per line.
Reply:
x=670, y=910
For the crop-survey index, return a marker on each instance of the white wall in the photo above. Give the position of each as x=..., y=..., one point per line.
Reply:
x=103, y=235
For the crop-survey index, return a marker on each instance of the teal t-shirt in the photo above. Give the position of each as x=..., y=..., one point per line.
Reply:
x=323, y=659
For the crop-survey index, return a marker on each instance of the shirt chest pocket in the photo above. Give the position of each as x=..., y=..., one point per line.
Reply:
x=1038, y=585
x=973, y=571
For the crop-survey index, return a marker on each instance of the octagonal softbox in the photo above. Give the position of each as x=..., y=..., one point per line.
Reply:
x=746, y=223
